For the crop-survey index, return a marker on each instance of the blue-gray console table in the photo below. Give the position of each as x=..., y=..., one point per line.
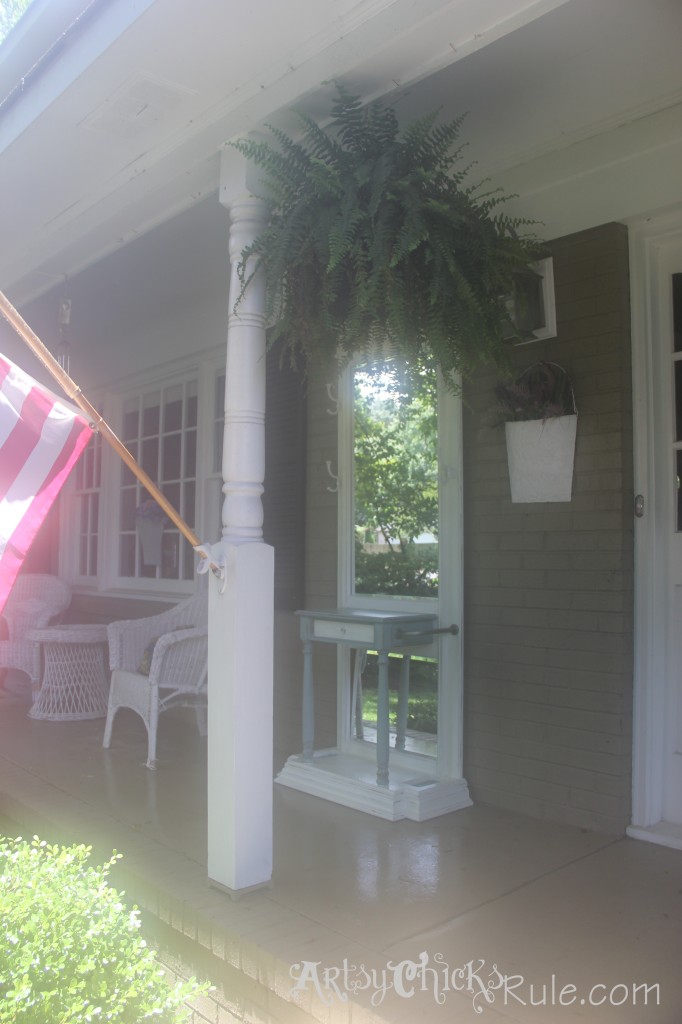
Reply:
x=383, y=632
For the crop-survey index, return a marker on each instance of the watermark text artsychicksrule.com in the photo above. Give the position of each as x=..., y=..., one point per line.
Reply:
x=431, y=977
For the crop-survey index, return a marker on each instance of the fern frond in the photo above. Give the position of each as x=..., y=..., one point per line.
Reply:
x=376, y=237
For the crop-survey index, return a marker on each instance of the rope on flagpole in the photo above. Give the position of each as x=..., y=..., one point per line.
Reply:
x=72, y=390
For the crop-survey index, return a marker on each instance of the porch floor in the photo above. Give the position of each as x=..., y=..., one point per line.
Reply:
x=508, y=893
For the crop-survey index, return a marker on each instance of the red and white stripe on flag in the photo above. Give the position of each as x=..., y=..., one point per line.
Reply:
x=41, y=437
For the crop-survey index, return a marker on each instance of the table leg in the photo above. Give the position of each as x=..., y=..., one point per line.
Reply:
x=308, y=716
x=356, y=696
x=382, y=721
x=403, y=697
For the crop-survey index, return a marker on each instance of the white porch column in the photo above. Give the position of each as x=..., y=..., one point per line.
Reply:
x=240, y=721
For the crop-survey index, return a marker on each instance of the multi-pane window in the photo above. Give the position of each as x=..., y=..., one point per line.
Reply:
x=87, y=484
x=160, y=430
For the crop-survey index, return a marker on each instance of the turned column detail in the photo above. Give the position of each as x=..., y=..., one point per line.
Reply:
x=244, y=431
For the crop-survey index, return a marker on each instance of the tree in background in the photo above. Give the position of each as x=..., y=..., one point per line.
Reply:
x=396, y=481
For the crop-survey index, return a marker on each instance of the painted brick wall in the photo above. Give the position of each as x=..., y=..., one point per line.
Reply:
x=548, y=587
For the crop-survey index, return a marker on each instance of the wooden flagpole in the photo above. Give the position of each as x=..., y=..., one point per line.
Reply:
x=72, y=390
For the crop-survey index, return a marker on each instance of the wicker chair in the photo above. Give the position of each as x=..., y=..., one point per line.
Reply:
x=35, y=601
x=159, y=662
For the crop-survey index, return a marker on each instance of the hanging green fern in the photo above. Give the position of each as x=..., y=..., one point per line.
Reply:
x=374, y=240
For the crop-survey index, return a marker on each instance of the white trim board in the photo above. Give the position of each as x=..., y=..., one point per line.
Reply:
x=648, y=241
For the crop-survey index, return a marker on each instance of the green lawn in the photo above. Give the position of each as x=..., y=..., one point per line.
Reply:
x=422, y=710
x=422, y=707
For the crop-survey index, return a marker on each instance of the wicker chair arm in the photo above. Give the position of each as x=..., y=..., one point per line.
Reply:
x=128, y=638
x=179, y=659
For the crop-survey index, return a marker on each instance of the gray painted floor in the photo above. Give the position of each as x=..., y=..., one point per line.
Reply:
x=544, y=906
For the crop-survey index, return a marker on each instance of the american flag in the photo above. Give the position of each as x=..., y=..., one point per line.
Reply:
x=41, y=437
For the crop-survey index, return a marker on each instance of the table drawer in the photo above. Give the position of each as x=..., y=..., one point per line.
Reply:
x=350, y=632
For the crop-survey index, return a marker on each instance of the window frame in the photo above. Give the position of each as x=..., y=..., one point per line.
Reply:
x=69, y=546
x=448, y=605
x=346, y=596
x=159, y=436
x=108, y=580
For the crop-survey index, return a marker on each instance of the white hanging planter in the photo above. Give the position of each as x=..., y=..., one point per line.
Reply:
x=540, y=454
x=540, y=444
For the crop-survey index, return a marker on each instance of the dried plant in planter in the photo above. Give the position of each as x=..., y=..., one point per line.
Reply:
x=543, y=391
x=376, y=242
x=540, y=417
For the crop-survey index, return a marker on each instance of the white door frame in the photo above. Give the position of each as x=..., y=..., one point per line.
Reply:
x=648, y=240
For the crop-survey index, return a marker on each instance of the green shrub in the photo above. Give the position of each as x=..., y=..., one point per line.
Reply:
x=413, y=572
x=70, y=951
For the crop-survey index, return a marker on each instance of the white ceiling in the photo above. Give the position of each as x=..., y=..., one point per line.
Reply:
x=122, y=128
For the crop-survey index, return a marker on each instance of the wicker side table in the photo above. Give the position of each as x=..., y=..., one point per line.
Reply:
x=74, y=683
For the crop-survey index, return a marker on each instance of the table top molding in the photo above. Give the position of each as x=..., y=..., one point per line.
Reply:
x=373, y=630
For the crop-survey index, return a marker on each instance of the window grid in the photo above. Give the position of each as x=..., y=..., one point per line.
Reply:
x=88, y=482
x=160, y=430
